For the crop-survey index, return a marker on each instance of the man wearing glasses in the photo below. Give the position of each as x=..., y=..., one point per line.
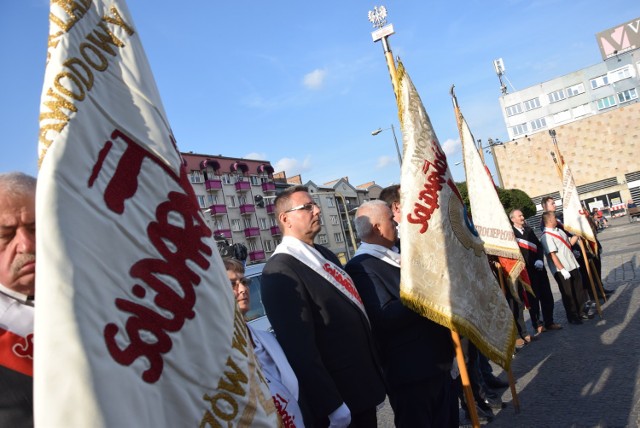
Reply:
x=320, y=321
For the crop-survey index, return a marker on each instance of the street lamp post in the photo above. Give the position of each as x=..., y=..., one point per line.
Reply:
x=346, y=212
x=395, y=139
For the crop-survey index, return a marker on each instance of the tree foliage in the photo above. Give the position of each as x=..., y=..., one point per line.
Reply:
x=510, y=198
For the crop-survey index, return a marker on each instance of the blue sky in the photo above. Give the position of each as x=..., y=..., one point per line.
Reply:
x=302, y=84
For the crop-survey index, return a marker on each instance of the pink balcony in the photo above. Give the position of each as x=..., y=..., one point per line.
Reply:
x=256, y=255
x=268, y=187
x=250, y=232
x=218, y=209
x=247, y=209
x=271, y=208
x=242, y=186
x=275, y=231
x=213, y=185
x=222, y=232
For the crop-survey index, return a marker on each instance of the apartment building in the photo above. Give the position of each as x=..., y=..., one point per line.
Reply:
x=594, y=113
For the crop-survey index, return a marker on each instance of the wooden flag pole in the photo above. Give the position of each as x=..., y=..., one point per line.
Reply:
x=586, y=265
x=464, y=377
x=512, y=383
x=597, y=275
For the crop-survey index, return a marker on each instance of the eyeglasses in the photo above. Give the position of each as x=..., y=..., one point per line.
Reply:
x=307, y=207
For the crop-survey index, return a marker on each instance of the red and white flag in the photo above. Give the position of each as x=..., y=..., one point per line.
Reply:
x=489, y=217
x=136, y=322
x=445, y=274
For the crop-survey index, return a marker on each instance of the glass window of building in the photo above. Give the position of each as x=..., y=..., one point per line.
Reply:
x=556, y=96
x=255, y=180
x=235, y=225
x=196, y=176
x=247, y=222
x=531, y=104
x=330, y=203
x=201, y=201
x=562, y=116
x=322, y=238
x=581, y=110
x=263, y=223
x=338, y=237
x=334, y=219
x=520, y=129
x=628, y=95
x=226, y=179
x=538, y=124
x=574, y=90
x=268, y=245
x=606, y=102
x=231, y=201
x=513, y=109
x=599, y=81
x=619, y=74
x=251, y=245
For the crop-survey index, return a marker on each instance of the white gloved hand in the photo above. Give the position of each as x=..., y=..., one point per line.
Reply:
x=340, y=418
x=565, y=273
x=539, y=265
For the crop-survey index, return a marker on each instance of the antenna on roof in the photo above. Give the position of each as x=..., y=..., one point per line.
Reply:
x=498, y=65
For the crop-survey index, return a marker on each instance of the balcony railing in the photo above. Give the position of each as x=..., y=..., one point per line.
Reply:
x=242, y=186
x=251, y=231
x=213, y=185
x=247, y=209
x=271, y=208
x=275, y=231
x=268, y=187
x=222, y=232
x=218, y=209
x=256, y=255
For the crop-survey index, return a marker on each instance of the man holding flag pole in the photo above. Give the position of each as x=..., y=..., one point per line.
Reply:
x=444, y=271
x=136, y=322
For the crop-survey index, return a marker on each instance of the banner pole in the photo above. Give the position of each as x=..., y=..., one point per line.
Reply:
x=464, y=377
x=512, y=382
x=593, y=287
x=597, y=275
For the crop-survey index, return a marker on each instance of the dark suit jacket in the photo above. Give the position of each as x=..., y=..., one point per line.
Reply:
x=325, y=337
x=413, y=348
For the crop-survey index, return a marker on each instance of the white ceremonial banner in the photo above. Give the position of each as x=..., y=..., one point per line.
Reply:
x=136, y=324
x=489, y=218
x=574, y=215
x=445, y=274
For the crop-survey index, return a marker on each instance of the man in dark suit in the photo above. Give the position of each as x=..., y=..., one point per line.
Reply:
x=320, y=321
x=416, y=352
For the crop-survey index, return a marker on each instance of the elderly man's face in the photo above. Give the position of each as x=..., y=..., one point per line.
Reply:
x=387, y=226
x=18, y=243
x=517, y=218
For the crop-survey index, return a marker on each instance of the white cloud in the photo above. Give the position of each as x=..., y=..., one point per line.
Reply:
x=292, y=166
x=384, y=161
x=256, y=156
x=450, y=146
x=315, y=79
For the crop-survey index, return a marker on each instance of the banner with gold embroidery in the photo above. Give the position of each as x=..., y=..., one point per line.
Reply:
x=445, y=274
x=136, y=323
x=489, y=218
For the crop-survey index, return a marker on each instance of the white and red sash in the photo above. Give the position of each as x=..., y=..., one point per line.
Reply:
x=16, y=333
x=378, y=251
x=555, y=235
x=326, y=269
x=527, y=245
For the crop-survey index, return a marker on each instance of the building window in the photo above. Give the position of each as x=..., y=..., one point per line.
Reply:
x=321, y=220
x=255, y=180
x=277, y=241
x=213, y=199
x=263, y=223
x=268, y=245
x=599, y=81
x=556, y=96
x=196, y=176
x=563, y=116
x=247, y=222
x=513, y=109
x=520, y=129
x=201, y=201
x=322, y=238
x=338, y=237
x=330, y=203
x=225, y=179
x=538, y=124
x=252, y=245
x=628, y=95
x=574, y=90
x=272, y=221
x=531, y=104
x=606, y=102
x=581, y=110
x=619, y=74
x=231, y=201
x=235, y=225
x=334, y=219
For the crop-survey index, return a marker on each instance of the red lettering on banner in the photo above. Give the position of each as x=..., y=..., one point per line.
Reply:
x=288, y=421
x=435, y=172
x=343, y=280
x=177, y=234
